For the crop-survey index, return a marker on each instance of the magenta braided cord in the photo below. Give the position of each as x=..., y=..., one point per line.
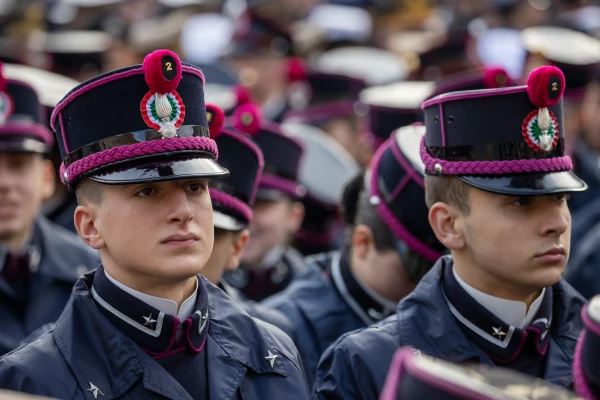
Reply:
x=131, y=151
x=556, y=164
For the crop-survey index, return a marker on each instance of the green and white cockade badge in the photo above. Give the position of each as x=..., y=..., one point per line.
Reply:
x=540, y=130
x=162, y=108
x=545, y=87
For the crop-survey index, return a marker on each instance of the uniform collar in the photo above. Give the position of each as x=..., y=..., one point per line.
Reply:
x=512, y=312
x=235, y=343
x=151, y=322
x=163, y=305
x=366, y=304
x=498, y=339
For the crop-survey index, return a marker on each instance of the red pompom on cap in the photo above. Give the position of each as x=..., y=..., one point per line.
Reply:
x=496, y=77
x=2, y=78
x=242, y=95
x=162, y=71
x=545, y=86
x=247, y=119
x=216, y=119
x=296, y=70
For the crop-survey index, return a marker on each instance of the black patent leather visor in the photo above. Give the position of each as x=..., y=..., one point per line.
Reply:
x=159, y=169
x=534, y=184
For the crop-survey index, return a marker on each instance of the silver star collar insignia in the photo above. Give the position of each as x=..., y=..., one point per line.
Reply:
x=272, y=358
x=95, y=390
x=149, y=320
x=498, y=333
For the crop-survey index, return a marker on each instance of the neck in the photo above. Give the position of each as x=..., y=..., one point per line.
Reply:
x=177, y=291
x=16, y=241
x=479, y=279
x=390, y=284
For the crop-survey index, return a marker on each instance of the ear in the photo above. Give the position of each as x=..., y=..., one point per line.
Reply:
x=239, y=243
x=363, y=242
x=84, y=219
x=296, y=217
x=48, y=180
x=447, y=223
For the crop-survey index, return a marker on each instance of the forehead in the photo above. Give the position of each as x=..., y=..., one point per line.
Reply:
x=27, y=157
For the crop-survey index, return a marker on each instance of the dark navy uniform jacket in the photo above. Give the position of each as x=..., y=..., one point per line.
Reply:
x=85, y=348
x=260, y=311
x=355, y=367
x=582, y=271
x=63, y=257
x=324, y=303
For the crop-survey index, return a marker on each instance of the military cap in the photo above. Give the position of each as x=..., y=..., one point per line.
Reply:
x=396, y=187
x=413, y=376
x=586, y=370
x=372, y=65
x=473, y=79
x=341, y=24
x=69, y=52
x=508, y=141
x=323, y=190
x=393, y=106
x=22, y=120
x=316, y=97
x=255, y=34
x=445, y=58
x=575, y=53
x=282, y=154
x=142, y=123
x=233, y=196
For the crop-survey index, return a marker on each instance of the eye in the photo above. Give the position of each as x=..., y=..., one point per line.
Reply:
x=195, y=187
x=145, y=192
x=562, y=197
x=522, y=201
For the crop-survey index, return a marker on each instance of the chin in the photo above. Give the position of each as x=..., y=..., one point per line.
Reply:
x=549, y=276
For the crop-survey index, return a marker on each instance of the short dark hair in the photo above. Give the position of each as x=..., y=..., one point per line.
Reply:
x=449, y=190
x=358, y=210
x=88, y=191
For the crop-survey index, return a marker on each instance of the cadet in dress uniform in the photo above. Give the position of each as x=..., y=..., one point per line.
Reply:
x=232, y=198
x=39, y=261
x=386, y=252
x=144, y=325
x=498, y=202
x=414, y=376
x=269, y=263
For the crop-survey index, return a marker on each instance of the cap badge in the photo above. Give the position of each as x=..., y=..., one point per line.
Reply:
x=6, y=102
x=162, y=107
x=545, y=87
x=6, y=107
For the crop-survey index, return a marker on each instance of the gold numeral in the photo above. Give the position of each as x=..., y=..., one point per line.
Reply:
x=554, y=86
x=171, y=69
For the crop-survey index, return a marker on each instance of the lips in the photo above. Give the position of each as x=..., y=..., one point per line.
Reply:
x=555, y=254
x=181, y=238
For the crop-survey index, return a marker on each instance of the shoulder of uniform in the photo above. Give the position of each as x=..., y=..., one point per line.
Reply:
x=281, y=341
x=38, y=368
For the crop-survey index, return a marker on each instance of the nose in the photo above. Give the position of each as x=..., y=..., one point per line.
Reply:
x=180, y=209
x=557, y=218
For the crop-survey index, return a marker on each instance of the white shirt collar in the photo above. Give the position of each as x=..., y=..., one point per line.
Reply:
x=512, y=312
x=163, y=305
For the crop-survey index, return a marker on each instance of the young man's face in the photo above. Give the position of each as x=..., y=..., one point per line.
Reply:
x=155, y=230
x=26, y=180
x=345, y=131
x=273, y=224
x=225, y=256
x=509, y=238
